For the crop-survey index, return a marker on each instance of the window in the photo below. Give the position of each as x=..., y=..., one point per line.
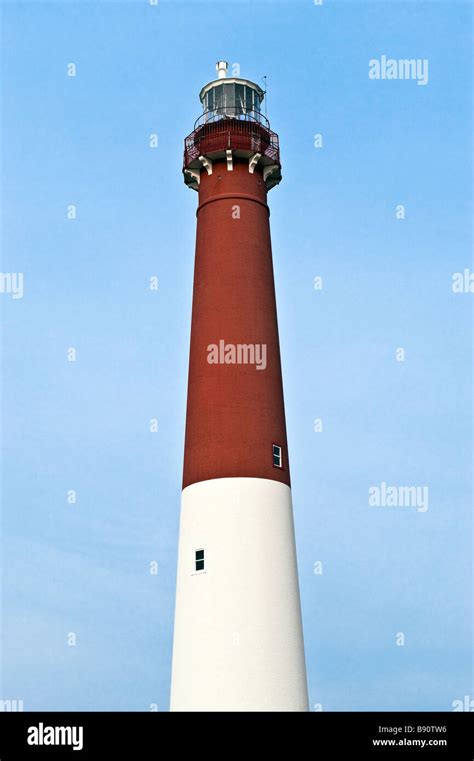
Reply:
x=218, y=97
x=210, y=100
x=240, y=99
x=229, y=98
x=248, y=98
x=199, y=560
x=277, y=456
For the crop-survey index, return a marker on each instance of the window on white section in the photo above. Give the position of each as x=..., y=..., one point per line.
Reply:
x=199, y=560
x=277, y=456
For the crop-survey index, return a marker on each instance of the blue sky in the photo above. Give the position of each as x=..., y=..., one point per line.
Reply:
x=84, y=425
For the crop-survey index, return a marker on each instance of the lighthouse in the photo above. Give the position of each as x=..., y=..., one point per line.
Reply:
x=238, y=640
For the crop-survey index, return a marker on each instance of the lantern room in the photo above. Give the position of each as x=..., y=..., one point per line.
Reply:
x=231, y=97
x=230, y=129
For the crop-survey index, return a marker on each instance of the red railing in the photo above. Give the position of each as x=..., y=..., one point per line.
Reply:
x=235, y=134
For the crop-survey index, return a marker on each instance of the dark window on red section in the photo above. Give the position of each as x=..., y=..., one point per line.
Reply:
x=277, y=456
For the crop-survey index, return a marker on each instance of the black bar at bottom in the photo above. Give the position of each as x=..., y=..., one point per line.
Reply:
x=154, y=736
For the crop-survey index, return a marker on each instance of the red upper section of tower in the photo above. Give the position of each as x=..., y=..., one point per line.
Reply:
x=235, y=411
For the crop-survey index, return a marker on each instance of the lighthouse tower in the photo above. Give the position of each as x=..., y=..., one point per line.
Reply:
x=238, y=642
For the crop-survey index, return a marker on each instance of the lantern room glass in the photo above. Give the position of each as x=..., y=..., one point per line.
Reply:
x=231, y=99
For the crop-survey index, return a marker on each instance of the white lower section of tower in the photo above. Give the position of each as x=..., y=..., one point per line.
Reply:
x=238, y=641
